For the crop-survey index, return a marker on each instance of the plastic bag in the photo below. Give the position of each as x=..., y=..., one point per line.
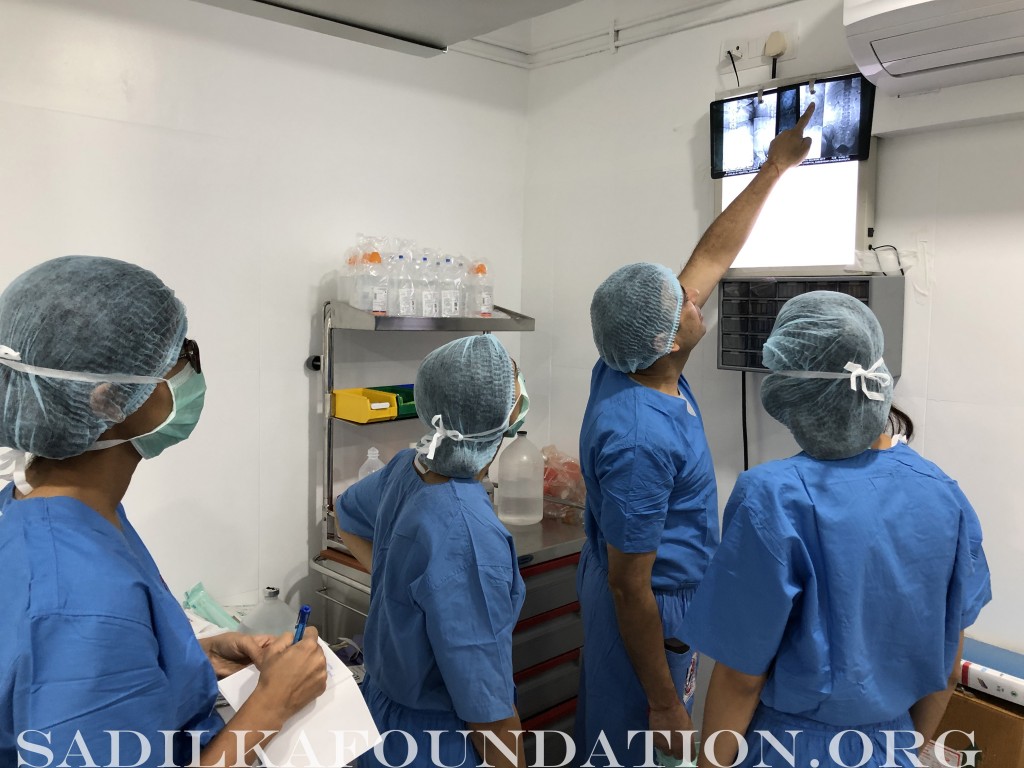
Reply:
x=201, y=602
x=563, y=482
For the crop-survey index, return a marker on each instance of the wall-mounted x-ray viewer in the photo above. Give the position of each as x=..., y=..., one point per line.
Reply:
x=820, y=212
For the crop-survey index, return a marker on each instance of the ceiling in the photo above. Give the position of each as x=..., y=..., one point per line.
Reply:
x=421, y=27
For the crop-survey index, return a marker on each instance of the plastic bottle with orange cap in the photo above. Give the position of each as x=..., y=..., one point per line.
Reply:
x=480, y=290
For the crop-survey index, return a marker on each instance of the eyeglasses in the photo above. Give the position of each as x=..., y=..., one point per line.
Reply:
x=190, y=352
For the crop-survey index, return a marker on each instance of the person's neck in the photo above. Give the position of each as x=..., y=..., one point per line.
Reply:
x=98, y=479
x=664, y=375
x=429, y=476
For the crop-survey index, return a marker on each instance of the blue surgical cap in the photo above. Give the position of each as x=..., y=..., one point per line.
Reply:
x=83, y=314
x=832, y=333
x=470, y=384
x=635, y=316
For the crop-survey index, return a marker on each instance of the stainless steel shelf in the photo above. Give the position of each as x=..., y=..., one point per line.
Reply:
x=344, y=316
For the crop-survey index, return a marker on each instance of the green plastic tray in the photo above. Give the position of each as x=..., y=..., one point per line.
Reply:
x=406, y=401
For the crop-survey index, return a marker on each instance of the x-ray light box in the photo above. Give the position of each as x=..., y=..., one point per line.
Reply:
x=820, y=212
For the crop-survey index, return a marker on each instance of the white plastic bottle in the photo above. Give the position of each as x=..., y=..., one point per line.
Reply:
x=372, y=463
x=480, y=291
x=271, y=617
x=402, y=288
x=372, y=285
x=519, y=495
x=462, y=273
x=426, y=281
x=449, y=282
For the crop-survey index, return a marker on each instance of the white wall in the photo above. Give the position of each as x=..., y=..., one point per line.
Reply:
x=617, y=171
x=238, y=158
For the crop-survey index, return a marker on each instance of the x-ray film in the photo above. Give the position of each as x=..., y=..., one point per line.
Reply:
x=748, y=127
x=840, y=129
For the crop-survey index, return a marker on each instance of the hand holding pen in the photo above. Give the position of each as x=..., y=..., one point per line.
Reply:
x=293, y=670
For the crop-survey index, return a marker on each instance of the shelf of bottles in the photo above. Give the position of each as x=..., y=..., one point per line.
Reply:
x=345, y=316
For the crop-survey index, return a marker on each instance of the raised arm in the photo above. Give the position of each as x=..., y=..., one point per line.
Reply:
x=720, y=245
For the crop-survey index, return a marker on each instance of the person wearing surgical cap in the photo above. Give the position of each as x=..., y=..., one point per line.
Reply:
x=96, y=374
x=651, y=513
x=446, y=584
x=847, y=573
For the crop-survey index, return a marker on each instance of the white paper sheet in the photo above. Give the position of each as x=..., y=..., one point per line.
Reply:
x=331, y=731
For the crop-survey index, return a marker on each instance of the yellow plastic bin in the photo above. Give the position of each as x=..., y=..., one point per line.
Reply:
x=363, y=406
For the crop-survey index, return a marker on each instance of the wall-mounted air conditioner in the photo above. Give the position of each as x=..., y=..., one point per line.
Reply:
x=909, y=46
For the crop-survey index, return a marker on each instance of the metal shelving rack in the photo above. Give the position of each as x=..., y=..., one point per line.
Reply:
x=341, y=316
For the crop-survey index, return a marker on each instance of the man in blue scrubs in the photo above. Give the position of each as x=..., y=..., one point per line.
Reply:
x=652, y=511
x=847, y=573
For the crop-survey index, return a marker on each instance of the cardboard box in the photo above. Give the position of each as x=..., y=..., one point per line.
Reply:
x=998, y=729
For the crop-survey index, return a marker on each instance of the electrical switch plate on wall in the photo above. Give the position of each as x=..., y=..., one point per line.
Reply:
x=751, y=50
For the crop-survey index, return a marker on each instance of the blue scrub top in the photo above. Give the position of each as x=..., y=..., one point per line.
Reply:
x=91, y=639
x=446, y=592
x=650, y=481
x=848, y=582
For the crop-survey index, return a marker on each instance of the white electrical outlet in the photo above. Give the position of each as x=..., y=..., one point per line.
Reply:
x=752, y=50
x=737, y=47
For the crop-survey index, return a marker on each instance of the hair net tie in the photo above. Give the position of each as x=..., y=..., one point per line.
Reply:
x=12, y=467
x=12, y=359
x=428, y=443
x=857, y=373
x=440, y=433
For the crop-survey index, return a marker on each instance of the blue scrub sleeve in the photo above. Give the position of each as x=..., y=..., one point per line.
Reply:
x=977, y=581
x=92, y=673
x=742, y=606
x=357, y=507
x=469, y=622
x=635, y=481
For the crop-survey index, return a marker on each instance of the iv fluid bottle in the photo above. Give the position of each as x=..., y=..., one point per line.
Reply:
x=372, y=285
x=481, y=291
x=449, y=280
x=519, y=496
x=372, y=463
x=402, y=288
x=426, y=287
x=271, y=617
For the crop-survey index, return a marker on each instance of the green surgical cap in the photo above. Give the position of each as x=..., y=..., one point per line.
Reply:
x=635, y=315
x=836, y=334
x=82, y=314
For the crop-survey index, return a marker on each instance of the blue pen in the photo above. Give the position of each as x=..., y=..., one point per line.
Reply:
x=300, y=624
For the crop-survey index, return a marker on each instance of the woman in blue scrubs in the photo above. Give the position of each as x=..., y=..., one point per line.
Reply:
x=95, y=375
x=446, y=589
x=847, y=573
